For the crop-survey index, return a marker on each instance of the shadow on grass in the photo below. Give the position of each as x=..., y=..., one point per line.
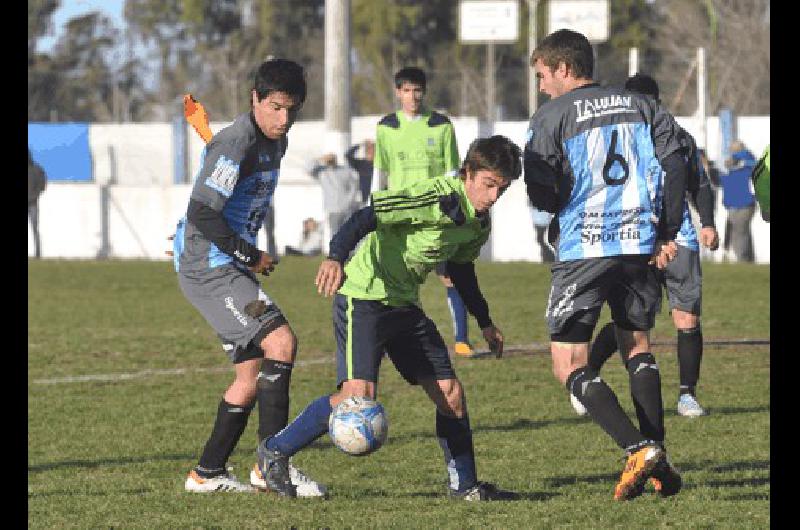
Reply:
x=754, y=465
x=121, y=461
x=721, y=411
x=78, y=493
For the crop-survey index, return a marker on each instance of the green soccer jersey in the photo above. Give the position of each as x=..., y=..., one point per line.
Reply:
x=410, y=150
x=417, y=227
x=760, y=179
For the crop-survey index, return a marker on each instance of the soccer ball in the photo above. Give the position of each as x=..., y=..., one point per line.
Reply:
x=358, y=426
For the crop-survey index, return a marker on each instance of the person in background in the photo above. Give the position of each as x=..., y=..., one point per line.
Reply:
x=310, y=241
x=739, y=201
x=37, y=182
x=340, y=193
x=363, y=166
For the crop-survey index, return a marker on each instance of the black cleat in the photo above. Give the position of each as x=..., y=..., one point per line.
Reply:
x=274, y=467
x=484, y=491
x=665, y=478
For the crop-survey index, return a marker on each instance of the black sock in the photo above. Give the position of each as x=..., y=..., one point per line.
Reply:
x=690, y=353
x=455, y=438
x=604, y=345
x=228, y=428
x=272, y=393
x=646, y=393
x=603, y=407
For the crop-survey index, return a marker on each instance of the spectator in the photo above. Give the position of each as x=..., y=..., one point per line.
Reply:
x=738, y=199
x=363, y=166
x=310, y=241
x=541, y=220
x=37, y=182
x=340, y=193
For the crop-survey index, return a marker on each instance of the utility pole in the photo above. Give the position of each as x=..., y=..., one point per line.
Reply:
x=701, y=97
x=490, y=85
x=337, y=76
x=533, y=83
x=633, y=61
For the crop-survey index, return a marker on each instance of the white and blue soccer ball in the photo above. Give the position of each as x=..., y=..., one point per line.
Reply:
x=358, y=426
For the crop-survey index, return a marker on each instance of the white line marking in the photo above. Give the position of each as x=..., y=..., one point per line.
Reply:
x=149, y=373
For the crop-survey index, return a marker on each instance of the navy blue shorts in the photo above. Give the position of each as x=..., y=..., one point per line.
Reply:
x=364, y=329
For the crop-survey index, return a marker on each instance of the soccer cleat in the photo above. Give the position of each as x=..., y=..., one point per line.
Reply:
x=580, y=410
x=665, y=478
x=463, y=349
x=638, y=468
x=274, y=468
x=484, y=491
x=221, y=483
x=689, y=407
x=304, y=486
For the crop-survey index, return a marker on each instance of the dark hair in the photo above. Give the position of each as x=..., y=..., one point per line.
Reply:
x=567, y=46
x=643, y=84
x=496, y=153
x=410, y=74
x=280, y=75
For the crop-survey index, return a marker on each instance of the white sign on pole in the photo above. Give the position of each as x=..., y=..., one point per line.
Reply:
x=589, y=17
x=483, y=21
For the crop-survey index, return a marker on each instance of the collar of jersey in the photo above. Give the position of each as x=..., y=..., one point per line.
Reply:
x=470, y=213
x=424, y=115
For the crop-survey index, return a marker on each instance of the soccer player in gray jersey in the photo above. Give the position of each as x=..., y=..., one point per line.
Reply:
x=217, y=260
x=682, y=278
x=607, y=163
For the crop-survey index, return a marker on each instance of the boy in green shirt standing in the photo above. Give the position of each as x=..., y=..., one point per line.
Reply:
x=408, y=233
x=414, y=144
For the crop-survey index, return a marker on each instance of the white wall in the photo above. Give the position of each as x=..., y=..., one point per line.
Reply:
x=144, y=206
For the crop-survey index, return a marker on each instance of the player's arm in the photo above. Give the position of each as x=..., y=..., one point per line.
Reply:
x=380, y=163
x=466, y=283
x=214, y=186
x=331, y=272
x=539, y=163
x=666, y=142
x=450, y=147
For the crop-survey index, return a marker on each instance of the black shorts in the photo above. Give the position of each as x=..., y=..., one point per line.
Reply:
x=580, y=287
x=365, y=328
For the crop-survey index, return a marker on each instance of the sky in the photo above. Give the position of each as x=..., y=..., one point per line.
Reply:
x=72, y=8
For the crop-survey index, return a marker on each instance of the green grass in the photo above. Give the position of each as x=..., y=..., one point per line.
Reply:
x=115, y=454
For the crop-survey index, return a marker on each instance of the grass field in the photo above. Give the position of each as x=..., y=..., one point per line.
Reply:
x=114, y=451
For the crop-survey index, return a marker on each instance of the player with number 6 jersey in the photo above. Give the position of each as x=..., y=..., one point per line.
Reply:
x=607, y=163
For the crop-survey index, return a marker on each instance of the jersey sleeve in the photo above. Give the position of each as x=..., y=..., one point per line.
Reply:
x=219, y=174
x=381, y=160
x=450, y=146
x=417, y=204
x=541, y=163
x=665, y=129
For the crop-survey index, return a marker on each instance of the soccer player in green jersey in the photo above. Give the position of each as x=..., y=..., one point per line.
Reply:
x=408, y=232
x=414, y=144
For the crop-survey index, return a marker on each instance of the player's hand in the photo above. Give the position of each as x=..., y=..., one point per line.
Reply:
x=329, y=277
x=665, y=251
x=494, y=339
x=709, y=237
x=265, y=264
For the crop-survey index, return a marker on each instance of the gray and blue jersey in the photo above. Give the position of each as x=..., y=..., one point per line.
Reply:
x=600, y=149
x=237, y=178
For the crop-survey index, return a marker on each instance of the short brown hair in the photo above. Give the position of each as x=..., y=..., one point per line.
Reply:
x=496, y=153
x=567, y=46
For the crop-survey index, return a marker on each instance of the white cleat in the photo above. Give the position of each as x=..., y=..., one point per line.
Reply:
x=305, y=486
x=580, y=410
x=221, y=483
x=688, y=406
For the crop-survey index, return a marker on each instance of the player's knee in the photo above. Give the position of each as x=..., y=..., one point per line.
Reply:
x=684, y=320
x=242, y=391
x=354, y=388
x=280, y=344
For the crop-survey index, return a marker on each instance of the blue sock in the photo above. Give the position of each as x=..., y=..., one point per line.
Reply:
x=455, y=437
x=459, y=314
x=304, y=429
